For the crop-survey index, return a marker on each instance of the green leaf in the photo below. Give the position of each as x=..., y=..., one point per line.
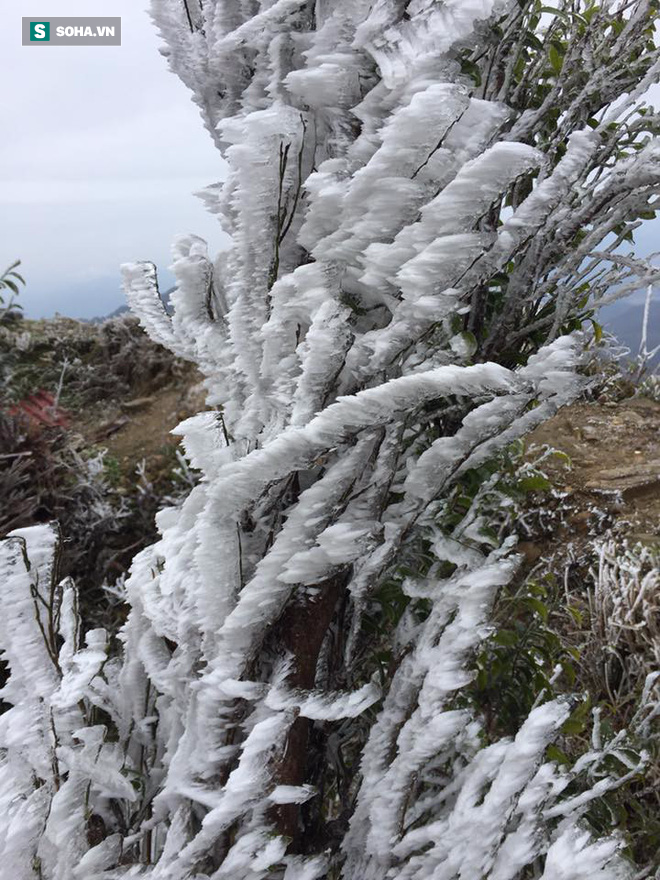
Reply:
x=569, y=672
x=537, y=589
x=576, y=614
x=555, y=754
x=490, y=536
x=562, y=456
x=573, y=652
x=10, y=284
x=617, y=26
x=537, y=606
x=534, y=483
x=455, y=323
x=532, y=40
x=577, y=722
x=558, y=12
x=469, y=68
x=506, y=637
x=573, y=727
x=555, y=59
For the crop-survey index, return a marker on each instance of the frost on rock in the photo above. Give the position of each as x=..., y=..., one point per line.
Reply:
x=410, y=249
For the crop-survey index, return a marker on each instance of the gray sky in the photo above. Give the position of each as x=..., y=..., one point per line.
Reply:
x=101, y=150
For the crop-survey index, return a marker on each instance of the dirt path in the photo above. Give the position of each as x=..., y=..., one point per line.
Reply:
x=614, y=475
x=139, y=429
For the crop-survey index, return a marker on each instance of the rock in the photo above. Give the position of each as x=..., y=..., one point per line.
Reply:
x=137, y=403
x=634, y=418
x=633, y=476
x=108, y=428
x=650, y=541
x=532, y=552
x=580, y=521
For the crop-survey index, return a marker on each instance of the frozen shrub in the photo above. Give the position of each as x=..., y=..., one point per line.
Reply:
x=423, y=199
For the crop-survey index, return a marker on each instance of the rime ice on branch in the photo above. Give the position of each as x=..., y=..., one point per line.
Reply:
x=421, y=207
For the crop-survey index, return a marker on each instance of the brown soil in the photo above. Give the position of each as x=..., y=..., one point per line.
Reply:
x=140, y=428
x=613, y=479
x=119, y=390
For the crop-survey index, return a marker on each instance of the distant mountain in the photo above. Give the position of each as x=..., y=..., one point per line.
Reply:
x=117, y=312
x=72, y=298
x=122, y=310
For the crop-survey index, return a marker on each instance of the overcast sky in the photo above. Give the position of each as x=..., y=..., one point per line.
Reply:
x=100, y=152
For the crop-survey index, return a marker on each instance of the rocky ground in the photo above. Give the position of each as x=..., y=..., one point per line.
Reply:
x=609, y=481
x=85, y=417
x=120, y=392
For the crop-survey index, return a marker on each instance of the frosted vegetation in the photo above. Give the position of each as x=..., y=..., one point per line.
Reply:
x=427, y=201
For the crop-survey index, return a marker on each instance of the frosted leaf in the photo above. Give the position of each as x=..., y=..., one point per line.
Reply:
x=291, y=794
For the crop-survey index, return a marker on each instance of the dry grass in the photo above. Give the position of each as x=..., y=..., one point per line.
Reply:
x=625, y=616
